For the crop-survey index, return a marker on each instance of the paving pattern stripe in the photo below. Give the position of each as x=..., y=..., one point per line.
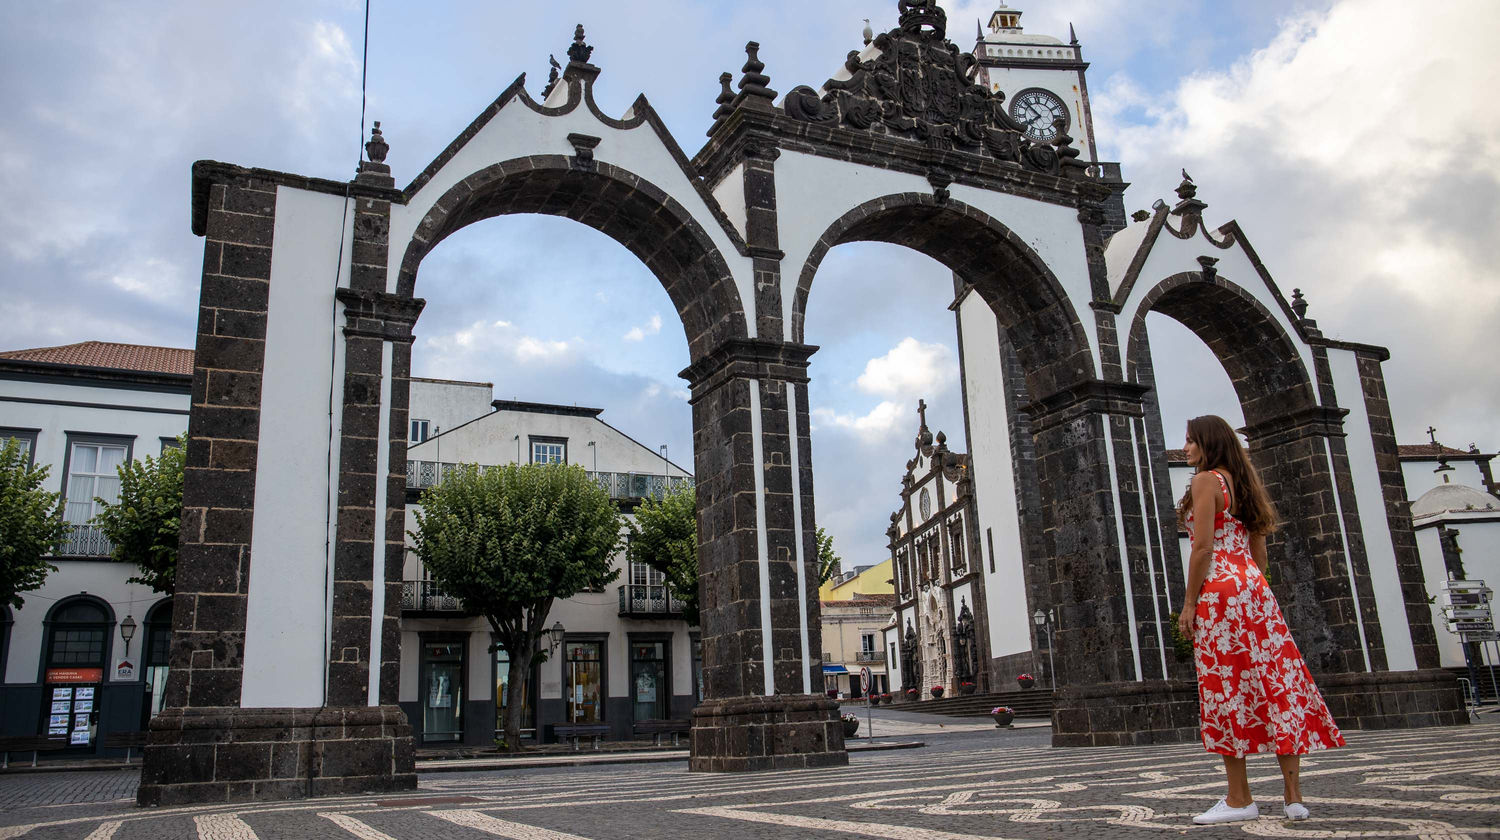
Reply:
x=356, y=827
x=105, y=831
x=887, y=832
x=499, y=827
x=223, y=827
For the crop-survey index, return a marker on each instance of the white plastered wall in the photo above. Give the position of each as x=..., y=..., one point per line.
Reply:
x=1007, y=616
x=1369, y=497
x=286, y=620
x=1480, y=545
x=517, y=131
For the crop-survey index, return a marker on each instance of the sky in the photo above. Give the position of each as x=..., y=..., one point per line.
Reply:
x=1356, y=142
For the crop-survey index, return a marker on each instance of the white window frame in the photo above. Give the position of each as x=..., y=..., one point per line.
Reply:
x=26, y=437
x=553, y=450
x=418, y=430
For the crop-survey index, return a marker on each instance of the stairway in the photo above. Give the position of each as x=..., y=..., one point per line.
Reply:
x=1032, y=703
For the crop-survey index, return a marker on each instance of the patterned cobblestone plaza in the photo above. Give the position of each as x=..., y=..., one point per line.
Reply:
x=1427, y=783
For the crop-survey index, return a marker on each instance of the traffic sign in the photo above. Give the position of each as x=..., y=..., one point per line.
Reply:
x=1467, y=599
x=1468, y=613
x=865, y=680
x=1481, y=636
x=1471, y=626
x=1465, y=585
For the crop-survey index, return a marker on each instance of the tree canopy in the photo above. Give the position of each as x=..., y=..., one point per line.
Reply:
x=829, y=563
x=664, y=536
x=31, y=524
x=507, y=541
x=145, y=523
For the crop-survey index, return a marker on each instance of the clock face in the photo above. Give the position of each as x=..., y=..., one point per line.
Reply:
x=1037, y=110
x=926, y=502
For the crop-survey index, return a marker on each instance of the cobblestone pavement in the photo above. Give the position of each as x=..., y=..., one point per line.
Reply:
x=1435, y=783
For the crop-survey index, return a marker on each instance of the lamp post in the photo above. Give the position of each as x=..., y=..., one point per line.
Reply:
x=556, y=634
x=1043, y=621
x=127, y=632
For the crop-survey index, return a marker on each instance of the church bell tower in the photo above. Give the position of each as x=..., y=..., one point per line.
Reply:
x=1042, y=79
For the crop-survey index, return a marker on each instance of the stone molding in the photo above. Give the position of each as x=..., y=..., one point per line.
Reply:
x=748, y=358
x=1313, y=421
x=1089, y=396
x=382, y=315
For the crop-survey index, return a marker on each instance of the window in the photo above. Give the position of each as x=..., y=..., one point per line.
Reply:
x=76, y=649
x=442, y=686
x=90, y=470
x=549, y=450
x=502, y=684
x=155, y=651
x=697, y=645
x=867, y=643
x=418, y=431
x=643, y=575
x=956, y=545
x=25, y=437
x=648, y=680
x=584, y=672
x=170, y=443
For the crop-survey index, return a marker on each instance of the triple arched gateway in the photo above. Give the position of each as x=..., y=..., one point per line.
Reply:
x=307, y=308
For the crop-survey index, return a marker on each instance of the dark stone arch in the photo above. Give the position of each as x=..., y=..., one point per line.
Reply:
x=1291, y=439
x=1262, y=362
x=1026, y=296
x=623, y=206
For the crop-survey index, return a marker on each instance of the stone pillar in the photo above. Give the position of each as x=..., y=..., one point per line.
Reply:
x=763, y=707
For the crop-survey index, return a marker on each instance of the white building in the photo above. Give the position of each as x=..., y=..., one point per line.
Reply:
x=87, y=653
x=626, y=654
x=84, y=409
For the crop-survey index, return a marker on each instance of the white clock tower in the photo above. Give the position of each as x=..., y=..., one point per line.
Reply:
x=1041, y=77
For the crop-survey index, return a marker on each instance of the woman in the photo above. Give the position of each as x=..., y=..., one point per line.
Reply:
x=1254, y=691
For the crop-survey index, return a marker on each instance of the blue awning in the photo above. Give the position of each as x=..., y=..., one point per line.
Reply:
x=830, y=668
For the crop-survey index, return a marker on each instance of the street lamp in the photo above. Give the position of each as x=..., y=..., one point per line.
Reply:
x=127, y=632
x=1043, y=621
x=556, y=635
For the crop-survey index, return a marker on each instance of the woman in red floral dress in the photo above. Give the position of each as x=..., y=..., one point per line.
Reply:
x=1254, y=691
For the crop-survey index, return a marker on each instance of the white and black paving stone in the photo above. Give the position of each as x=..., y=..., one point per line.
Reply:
x=1428, y=783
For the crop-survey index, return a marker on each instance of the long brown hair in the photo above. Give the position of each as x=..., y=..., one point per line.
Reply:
x=1221, y=450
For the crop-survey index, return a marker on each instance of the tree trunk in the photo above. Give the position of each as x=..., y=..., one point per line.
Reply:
x=515, y=694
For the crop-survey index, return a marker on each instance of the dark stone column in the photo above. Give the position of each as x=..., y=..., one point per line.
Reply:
x=745, y=723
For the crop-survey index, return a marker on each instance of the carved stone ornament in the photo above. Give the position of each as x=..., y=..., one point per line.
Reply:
x=918, y=89
x=579, y=51
x=376, y=147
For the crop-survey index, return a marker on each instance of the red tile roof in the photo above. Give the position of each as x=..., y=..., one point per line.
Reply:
x=111, y=355
x=1427, y=450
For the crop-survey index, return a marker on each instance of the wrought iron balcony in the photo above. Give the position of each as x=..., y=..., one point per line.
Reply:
x=870, y=657
x=642, y=601
x=86, y=541
x=620, y=485
x=424, y=596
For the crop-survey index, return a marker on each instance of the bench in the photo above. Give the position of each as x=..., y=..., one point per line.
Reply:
x=125, y=740
x=658, y=728
x=576, y=731
x=33, y=744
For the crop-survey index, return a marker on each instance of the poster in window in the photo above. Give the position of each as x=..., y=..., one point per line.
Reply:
x=83, y=707
x=58, y=724
x=79, y=736
x=439, y=697
x=85, y=693
x=60, y=707
x=80, y=722
x=645, y=688
x=62, y=693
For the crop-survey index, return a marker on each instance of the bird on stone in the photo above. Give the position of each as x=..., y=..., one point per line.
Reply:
x=869, y=33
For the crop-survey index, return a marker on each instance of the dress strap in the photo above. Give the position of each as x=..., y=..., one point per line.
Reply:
x=1223, y=488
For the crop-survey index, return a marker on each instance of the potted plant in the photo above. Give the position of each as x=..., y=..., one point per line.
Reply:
x=833, y=694
x=965, y=687
x=913, y=694
x=851, y=724
x=873, y=698
x=1025, y=680
x=937, y=692
x=886, y=698
x=1004, y=717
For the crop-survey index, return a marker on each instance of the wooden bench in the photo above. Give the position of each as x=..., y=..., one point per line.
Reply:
x=658, y=728
x=33, y=744
x=127, y=740
x=576, y=731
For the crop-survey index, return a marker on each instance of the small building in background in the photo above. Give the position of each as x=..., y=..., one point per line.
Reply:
x=856, y=606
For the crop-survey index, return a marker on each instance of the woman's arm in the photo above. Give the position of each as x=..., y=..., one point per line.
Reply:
x=1207, y=499
x=1258, y=551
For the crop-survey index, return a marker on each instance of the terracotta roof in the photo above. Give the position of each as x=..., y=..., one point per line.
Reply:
x=1428, y=450
x=110, y=355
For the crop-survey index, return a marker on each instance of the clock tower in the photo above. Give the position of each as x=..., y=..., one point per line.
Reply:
x=1041, y=77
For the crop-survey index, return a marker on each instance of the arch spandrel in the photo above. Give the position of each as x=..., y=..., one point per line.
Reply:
x=618, y=176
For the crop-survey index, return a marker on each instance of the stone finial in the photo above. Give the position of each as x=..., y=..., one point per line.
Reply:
x=1187, y=195
x=725, y=101
x=553, y=67
x=1299, y=304
x=1140, y=215
x=1207, y=266
x=1187, y=189
x=1072, y=36
x=376, y=147
x=753, y=90
x=579, y=51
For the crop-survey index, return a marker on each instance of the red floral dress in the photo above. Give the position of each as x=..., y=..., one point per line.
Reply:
x=1254, y=691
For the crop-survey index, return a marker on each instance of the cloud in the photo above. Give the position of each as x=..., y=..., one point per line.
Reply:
x=483, y=341
x=909, y=369
x=651, y=328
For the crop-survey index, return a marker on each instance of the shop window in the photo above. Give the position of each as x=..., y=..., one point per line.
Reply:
x=502, y=686
x=76, y=648
x=583, y=671
x=697, y=642
x=442, y=683
x=649, y=693
x=155, y=653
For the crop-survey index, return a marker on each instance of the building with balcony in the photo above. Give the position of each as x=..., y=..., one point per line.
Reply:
x=624, y=654
x=86, y=654
x=852, y=641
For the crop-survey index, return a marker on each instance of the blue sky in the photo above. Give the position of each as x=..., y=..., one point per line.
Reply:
x=1296, y=118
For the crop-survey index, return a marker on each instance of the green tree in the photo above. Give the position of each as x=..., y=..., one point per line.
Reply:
x=145, y=523
x=510, y=540
x=829, y=563
x=664, y=536
x=31, y=524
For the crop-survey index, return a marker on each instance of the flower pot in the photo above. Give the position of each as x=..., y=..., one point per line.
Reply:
x=913, y=694
x=1003, y=720
x=874, y=699
x=966, y=688
x=1025, y=682
x=937, y=692
x=886, y=699
x=850, y=727
x=833, y=694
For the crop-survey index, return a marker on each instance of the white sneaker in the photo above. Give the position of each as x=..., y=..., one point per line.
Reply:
x=1295, y=811
x=1222, y=813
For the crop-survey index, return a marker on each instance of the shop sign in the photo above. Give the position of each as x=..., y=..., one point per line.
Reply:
x=124, y=670
x=75, y=675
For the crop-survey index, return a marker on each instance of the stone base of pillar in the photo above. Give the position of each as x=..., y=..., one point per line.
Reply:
x=229, y=754
x=767, y=733
x=1166, y=711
